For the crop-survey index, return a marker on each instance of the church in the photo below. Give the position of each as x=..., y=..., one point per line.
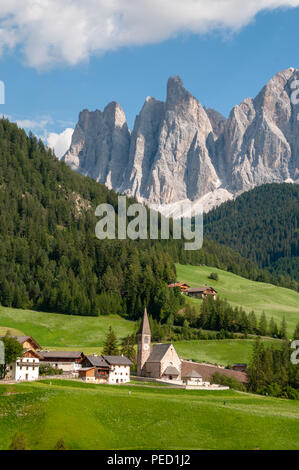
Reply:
x=159, y=361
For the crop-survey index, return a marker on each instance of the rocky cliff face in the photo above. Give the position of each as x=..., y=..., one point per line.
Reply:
x=100, y=145
x=179, y=150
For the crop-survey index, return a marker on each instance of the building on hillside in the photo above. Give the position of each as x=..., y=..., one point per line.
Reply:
x=67, y=361
x=106, y=369
x=87, y=374
x=240, y=367
x=183, y=286
x=101, y=368
x=157, y=361
x=120, y=369
x=202, y=292
x=25, y=368
x=27, y=342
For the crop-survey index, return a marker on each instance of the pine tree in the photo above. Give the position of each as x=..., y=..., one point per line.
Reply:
x=110, y=345
x=263, y=325
x=128, y=347
x=296, y=332
x=273, y=330
x=283, y=329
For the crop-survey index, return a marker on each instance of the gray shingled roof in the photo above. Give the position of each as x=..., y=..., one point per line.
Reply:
x=193, y=375
x=115, y=360
x=61, y=354
x=158, y=352
x=200, y=289
x=171, y=370
x=97, y=361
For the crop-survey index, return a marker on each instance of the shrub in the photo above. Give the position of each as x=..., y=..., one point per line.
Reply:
x=18, y=442
x=230, y=382
x=60, y=445
x=214, y=276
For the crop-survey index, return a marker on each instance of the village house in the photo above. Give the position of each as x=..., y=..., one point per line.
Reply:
x=181, y=285
x=202, y=292
x=106, y=369
x=25, y=367
x=94, y=369
x=27, y=342
x=67, y=361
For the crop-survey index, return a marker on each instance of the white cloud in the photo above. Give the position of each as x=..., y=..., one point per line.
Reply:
x=60, y=142
x=53, y=32
x=32, y=125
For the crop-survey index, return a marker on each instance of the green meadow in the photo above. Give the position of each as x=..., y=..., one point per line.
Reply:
x=136, y=417
x=258, y=296
x=60, y=331
x=222, y=352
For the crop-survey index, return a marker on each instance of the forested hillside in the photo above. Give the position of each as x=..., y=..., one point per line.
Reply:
x=51, y=259
x=262, y=225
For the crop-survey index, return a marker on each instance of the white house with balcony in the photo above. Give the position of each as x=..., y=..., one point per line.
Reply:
x=119, y=369
x=25, y=368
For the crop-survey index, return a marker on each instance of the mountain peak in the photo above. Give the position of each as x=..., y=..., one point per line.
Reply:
x=176, y=92
x=114, y=114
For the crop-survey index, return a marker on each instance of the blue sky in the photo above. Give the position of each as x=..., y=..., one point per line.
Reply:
x=220, y=68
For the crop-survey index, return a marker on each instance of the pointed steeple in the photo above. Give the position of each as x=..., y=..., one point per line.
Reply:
x=145, y=327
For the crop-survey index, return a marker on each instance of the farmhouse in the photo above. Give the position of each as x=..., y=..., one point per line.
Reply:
x=106, y=369
x=68, y=361
x=25, y=367
x=203, y=292
x=182, y=286
x=27, y=342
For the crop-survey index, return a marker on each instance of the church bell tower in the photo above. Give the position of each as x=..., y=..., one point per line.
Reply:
x=144, y=343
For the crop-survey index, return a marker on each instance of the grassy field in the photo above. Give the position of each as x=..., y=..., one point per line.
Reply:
x=67, y=332
x=257, y=296
x=222, y=352
x=61, y=331
x=107, y=417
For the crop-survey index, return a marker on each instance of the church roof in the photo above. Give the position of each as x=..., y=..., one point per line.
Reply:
x=158, y=352
x=145, y=327
x=171, y=370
